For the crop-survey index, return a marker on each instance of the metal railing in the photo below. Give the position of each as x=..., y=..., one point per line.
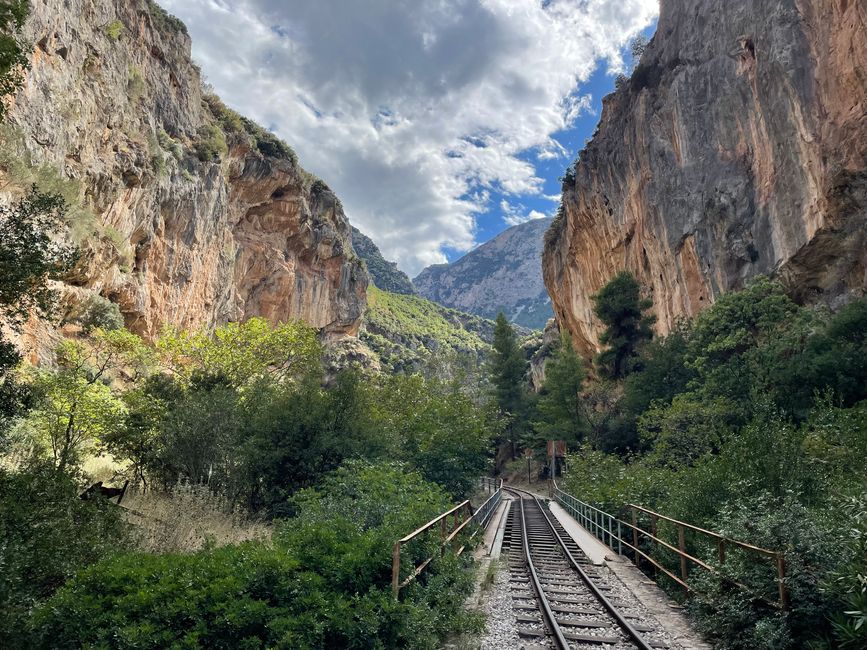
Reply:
x=450, y=524
x=610, y=530
x=486, y=510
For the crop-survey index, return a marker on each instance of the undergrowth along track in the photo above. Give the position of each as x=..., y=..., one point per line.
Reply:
x=559, y=599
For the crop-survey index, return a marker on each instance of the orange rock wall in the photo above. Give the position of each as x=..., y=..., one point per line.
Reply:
x=173, y=240
x=739, y=147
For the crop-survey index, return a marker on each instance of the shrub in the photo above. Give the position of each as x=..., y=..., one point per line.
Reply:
x=164, y=21
x=114, y=30
x=98, y=312
x=211, y=145
x=324, y=583
x=47, y=534
x=268, y=143
x=135, y=84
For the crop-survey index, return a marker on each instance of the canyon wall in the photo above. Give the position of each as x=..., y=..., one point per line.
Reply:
x=738, y=147
x=185, y=213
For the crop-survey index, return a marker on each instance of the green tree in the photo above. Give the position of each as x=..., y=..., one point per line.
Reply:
x=29, y=258
x=507, y=368
x=621, y=308
x=559, y=409
x=435, y=427
x=13, y=56
x=137, y=437
x=74, y=406
x=240, y=352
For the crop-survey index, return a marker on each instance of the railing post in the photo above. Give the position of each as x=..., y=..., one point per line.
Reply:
x=619, y=539
x=781, y=576
x=681, y=544
x=443, y=535
x=721, y=547
x=395, y=570
x=635, y=535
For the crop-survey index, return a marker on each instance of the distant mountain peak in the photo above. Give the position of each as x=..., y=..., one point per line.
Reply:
x=503, y=274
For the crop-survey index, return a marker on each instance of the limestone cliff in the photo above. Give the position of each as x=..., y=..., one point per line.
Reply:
x=738, y=147
x=187, y=214
x=503, y=274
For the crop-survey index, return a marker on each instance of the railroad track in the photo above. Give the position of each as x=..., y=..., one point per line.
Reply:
x=560, y=599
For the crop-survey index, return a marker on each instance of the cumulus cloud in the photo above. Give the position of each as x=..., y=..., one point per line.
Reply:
x=514, y=215
x=414, y=113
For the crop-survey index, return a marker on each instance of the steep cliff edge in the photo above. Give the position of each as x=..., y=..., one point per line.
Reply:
x=737, y=148
x=186, y=213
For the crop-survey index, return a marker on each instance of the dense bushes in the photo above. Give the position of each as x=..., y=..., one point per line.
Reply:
x=322, y=584
x=46, y=534
x=751, y=421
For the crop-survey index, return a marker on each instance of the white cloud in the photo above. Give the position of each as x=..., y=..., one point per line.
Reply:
x=514, y=215
x=413, y=112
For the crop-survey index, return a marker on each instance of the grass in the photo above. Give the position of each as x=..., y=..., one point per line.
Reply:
x=408, y=330
x=188, y=518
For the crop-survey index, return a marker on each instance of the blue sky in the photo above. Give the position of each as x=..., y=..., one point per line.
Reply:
x=437, y=123
x=493, y=222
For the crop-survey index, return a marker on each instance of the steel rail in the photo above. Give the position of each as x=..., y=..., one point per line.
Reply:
x=631, y=632
x=559, y=639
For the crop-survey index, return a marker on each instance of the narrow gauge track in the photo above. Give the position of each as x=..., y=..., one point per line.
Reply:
x=558, y=604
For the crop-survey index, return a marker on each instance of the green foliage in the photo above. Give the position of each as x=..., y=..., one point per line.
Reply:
x=743, y=432
x=240, y=352
x=383, y=273
x=268, y=143
x=435, y=427
x=682, y=432
x=47, y=534
x=559, y=409
x=847, y=583
x=74, y=408
x=13, y=54
x=168, y=143
x=323, y=584
x=407, y=332
x=621, y=309
x=230, y=121
x=97, y=313
x=737, y=619
x=164, y=21
x=211, y=145
x=30, y=255
x=135, y=85
x=114, y=30
x=507, y=368
x=727, y=341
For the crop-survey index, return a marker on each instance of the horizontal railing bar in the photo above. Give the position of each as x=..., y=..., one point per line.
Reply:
x=709, y=533
x=436, y=520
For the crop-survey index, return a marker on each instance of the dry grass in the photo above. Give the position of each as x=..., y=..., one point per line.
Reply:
x=187, y=519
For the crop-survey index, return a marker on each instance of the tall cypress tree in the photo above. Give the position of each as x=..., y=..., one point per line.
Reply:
x=560, y=413
x=621, y=308
x=508, y=367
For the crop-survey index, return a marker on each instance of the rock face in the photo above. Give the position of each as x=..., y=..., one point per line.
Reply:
x=187, y=214
x=383, y=274
x=504, y=274
x=737, y=148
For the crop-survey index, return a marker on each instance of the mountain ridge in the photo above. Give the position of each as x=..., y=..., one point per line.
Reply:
x=503, y=274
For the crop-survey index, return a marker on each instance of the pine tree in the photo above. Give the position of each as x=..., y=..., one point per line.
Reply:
x=508, y=367
x=561, y=416
x=620, y=307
